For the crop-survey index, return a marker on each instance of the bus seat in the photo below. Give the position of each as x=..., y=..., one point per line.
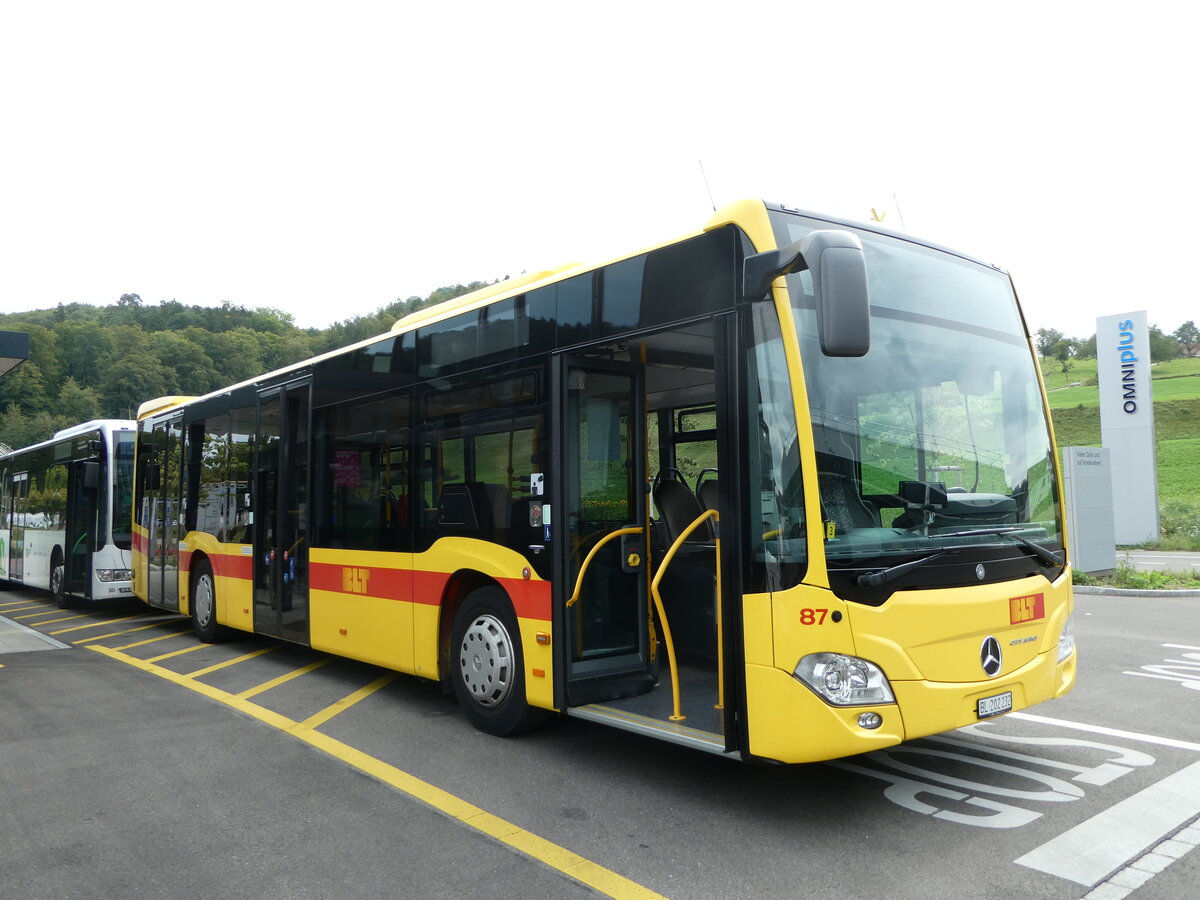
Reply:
x=678, y=508
x=842, y=505
x=706, y=493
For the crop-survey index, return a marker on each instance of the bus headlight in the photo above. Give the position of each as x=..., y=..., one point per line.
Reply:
x=114, y=574
x=844, y=680
x=1066, y=641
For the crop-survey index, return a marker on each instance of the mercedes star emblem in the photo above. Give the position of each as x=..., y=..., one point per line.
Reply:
x=989, y=656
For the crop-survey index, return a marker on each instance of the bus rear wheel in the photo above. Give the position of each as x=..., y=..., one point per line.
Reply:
x=204, y=603
x=487, y=666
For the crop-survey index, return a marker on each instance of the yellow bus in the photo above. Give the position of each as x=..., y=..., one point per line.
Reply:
x=782, y=489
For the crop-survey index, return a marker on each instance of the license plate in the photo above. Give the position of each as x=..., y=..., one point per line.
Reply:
x=994, y=706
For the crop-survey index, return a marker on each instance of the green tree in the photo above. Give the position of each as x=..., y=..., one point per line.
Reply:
x=131, y=375
x=1046, y=340
x=236, y=354
x=77, y=403
x=83, y=345
x=1188, y=336
x=25, y=387
x=1162, y=346
x=15, y=427
x=186, y=368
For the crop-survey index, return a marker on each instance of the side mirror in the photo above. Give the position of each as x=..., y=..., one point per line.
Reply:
x=839, y=276
x=91, y=476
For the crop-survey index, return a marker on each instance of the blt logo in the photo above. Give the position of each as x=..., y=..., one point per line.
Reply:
x=354, y=581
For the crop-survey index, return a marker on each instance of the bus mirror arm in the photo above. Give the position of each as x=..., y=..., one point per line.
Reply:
x=839, y=278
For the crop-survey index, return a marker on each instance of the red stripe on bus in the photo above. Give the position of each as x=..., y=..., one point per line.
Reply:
x=233, y=565
x=531, y=599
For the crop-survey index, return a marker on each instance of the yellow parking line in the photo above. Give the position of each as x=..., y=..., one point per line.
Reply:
x=161, y=637
x=101, y=637
x=348, y=701
x=283, y=679
x=220, y=665
x=48, y=621
x=94, y=624
x=44, y=607
x=189, y=649
x=534, y=846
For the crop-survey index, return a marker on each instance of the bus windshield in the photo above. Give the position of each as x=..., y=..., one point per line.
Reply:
x=934, y=446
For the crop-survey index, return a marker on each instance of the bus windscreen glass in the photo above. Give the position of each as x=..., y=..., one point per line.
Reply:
x=934, y=446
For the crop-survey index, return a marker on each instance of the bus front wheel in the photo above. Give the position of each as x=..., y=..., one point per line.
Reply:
x=487, y=666
x=204, y=603
x=58, y=579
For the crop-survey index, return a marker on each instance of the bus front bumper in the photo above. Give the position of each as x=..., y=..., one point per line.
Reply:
x=788, y=722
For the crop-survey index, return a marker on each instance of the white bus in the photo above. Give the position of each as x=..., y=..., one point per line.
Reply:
x=65, y=508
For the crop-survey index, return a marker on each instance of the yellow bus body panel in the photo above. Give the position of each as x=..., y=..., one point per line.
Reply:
x=927, y=643
x=386, y=608
x=234, y=592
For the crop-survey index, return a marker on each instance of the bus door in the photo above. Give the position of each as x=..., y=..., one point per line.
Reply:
x=16, y=535
x=162, y=579
x=601, y=530
x=281, y=461
x=83, y=490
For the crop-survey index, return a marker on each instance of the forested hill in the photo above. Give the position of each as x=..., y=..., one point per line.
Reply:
x=89, y=362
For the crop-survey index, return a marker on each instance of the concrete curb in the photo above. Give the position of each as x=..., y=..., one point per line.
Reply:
x=1131, y=592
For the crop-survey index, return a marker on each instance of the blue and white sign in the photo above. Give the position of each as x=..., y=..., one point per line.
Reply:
x=1127, y=423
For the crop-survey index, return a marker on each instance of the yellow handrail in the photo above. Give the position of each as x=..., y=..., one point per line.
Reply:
x=588, y=559
x=678, y=715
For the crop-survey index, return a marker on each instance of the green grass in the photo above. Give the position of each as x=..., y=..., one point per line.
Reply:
x=1176, y=391
x=1125, y=576
x=1178, y=379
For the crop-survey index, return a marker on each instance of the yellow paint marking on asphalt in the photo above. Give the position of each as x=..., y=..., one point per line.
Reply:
x=348, y=701
x=191, y=648
x=220, y=665
x=94, y=625
x=44, y=607
x=101, y=637
x=283, y=679
x=161, y=637
x=49, y=621
x=547, y=852
x=11, y=603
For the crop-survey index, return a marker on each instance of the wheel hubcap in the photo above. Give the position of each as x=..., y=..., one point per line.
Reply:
x=204, y=601
x=485, y=661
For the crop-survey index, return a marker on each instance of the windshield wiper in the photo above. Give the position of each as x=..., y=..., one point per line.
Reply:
x=1046, y=555
x=874, y=579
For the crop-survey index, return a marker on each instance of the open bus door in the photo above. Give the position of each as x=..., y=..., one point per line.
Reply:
x=83, y=494
x=601, y=531
x=280, y=481
x=163, y=527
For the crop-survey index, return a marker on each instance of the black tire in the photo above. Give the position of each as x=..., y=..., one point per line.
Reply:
x=58, y=579
x=487, y=666
x=203, y=603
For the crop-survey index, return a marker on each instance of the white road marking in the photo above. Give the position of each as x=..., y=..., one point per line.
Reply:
x=1110, y=732
x=1092, y=849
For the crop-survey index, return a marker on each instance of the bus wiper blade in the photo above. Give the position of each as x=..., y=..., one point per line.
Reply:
x=1046, y=555
x=874, y=579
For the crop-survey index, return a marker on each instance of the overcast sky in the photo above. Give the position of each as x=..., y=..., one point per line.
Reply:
x=327, y=159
